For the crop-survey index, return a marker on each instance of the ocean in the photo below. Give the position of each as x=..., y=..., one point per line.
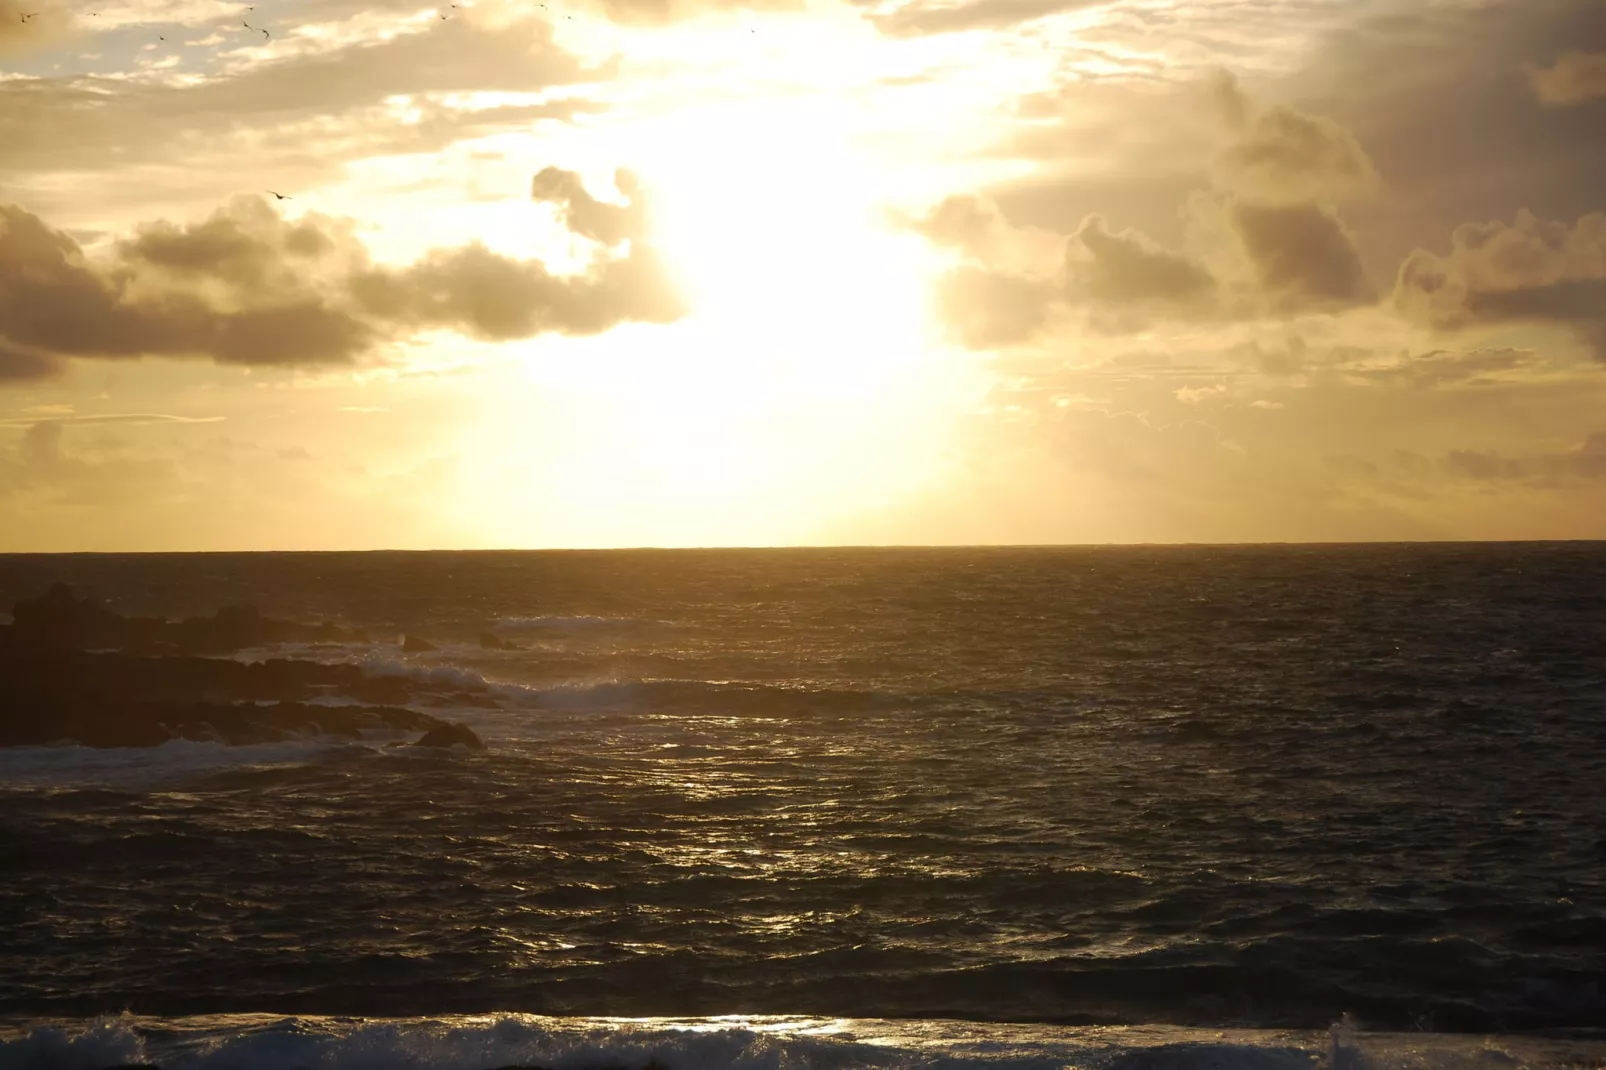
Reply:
x=1176, y=808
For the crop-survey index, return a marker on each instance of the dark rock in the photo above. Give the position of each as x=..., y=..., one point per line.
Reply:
x=411, y=644
x=118, y=693
x=492, y=642
x=383, y=689
x=451, y=735
x=151, y=723
x=58, y=620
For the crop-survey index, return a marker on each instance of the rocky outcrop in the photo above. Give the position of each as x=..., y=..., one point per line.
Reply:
x=58, y=620
x=72, y=671
x=48, y=720
x=451, y=735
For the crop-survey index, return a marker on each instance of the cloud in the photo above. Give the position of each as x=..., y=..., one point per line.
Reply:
x=663, y=12
x=1128, y=268
x=965, y=222
x=1530, y=271
x=1282, y=156
x=987, y=308
x=1302, y=255
x=135, y=418
x=1573, y=79
x=1586, y=461
x=919, y=17
x=609, y=224
x=1193, y=395
x=491, y=297
x=201, y=300
x=307, y=111
x=247, y=286
x=1264, y=241
x=41, y=445
x=1440, y=96
x=17, y=363
x=1446, y=368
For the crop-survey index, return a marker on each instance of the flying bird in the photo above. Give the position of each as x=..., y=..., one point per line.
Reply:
x=281, y=196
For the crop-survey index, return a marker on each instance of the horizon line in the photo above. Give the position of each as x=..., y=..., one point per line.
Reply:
x=823, y=547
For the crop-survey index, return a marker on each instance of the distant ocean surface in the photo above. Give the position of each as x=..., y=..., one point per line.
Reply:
x=1144, y=807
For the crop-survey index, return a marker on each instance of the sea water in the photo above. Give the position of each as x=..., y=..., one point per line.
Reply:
x=1078, y=807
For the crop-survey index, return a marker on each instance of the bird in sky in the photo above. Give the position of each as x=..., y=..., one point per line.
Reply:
x=281, y=196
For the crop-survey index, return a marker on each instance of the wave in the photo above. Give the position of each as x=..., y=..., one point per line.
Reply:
x=610, y=693
x=438, y=675
x=744, y=1043
x=517, y=624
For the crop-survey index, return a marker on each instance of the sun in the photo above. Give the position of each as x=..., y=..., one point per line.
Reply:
x=806, y=384
x=770, y=219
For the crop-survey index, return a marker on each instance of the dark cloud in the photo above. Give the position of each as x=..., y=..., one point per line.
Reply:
x=1575, y=78
x=1532, y=271
x=53, y=300
x=1127, y=268
x=1265, y=240
x=488, y=296
x=1586, y=461
x=609, y=224
x=247, y=286
x=1440, y=96
x=1303, y=257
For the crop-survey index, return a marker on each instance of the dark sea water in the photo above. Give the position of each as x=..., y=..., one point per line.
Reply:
x=1217, y=797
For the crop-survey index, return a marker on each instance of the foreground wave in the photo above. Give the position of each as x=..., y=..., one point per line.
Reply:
x=259, y=1042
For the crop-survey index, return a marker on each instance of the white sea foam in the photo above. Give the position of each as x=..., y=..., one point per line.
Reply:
x=740, y=1043
x=515, y=624
x=436, y=675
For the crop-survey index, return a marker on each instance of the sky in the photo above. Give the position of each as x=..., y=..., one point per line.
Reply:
x=327, y=274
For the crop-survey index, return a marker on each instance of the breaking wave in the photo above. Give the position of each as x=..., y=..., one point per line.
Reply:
x=498, y=1041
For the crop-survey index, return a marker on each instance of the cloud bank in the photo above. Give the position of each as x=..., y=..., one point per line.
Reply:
x=1528, y=271
x=247, y=286
x=1267, y=241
